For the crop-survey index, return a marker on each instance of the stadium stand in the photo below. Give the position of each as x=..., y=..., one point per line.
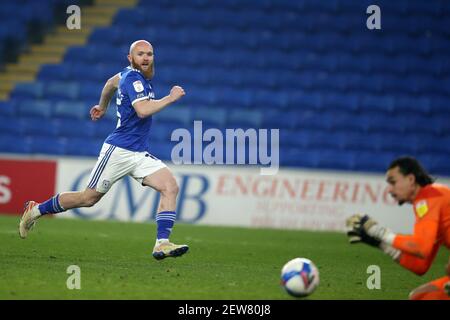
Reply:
x=344, y=97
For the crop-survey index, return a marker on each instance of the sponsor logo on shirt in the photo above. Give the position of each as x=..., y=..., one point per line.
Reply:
x=138, y=87
x=421, y=208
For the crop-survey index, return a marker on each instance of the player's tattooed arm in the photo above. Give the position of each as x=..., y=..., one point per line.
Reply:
x=108, y=91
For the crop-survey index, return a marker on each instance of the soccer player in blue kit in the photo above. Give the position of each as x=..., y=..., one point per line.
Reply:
x=125, y=151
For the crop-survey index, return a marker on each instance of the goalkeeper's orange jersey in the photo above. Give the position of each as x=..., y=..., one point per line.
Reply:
x=431, y=229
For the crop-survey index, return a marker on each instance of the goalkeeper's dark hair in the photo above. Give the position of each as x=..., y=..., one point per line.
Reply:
x=409, y=165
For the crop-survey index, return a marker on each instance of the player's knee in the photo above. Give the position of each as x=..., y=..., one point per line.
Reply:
x=171, y=188
x=91, y=199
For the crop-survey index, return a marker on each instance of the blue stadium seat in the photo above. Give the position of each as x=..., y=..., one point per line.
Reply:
x=373, y=161
x=427, y=144
x=35, y=108
x=11, y=125
x=104, y=127
x=9, y=143
x=353, y=141
x=7, y=108
x=62, y=90
x=178, y=113
x=161, y=133
x=211, y=116
x=264, y=99
x=379, y=122
x=90, y=91
x=83, y=147
x=335, y=159
x=55, y=72
x=47, y=145
x=385, y=142
x=161, y=150
x=276, y=120
x=296, y=157
x=71, y=109
x=440, y=165
x=76, y=128
x=245, y=119
x=33, y=127
x=28, y=90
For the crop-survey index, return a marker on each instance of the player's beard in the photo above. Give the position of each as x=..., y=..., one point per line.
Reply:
x=149, y=73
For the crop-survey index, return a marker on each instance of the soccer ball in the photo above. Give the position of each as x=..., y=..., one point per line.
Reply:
x=300, y=277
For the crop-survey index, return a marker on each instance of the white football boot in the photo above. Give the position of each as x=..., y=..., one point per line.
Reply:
x=29, y=218
x=169, y=249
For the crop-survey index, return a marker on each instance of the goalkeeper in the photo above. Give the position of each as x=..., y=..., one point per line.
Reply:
x=409, y=182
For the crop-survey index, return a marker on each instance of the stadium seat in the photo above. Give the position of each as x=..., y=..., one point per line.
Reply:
x=244, y=119
x=70, y=109
x=47, y=145
x=31, y=127
x=10, y=144
x=54, y=72
x=7, y=108
x=35, y=108
x=103, y=128
x=71, y=128
x=83, y=147
x=62, y=90
x=177, y=113
x=211, y=116
x=28, y=90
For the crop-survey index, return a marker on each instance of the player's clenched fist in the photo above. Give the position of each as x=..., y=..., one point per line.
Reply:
x=176, y=93
x=97, y=112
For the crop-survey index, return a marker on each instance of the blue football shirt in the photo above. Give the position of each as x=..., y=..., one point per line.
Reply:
x=132, y=133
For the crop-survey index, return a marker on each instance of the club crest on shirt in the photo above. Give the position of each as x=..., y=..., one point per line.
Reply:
x=138, y=87
x=421, y=208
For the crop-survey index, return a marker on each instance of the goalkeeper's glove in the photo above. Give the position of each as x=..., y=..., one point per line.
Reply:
x=377, y=232
x=356, y=233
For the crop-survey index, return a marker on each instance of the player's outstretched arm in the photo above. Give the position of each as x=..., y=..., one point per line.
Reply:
x=146, y=108
x=417, y=265
x=420, y=244
x=357, y=234
x=108, y=91
x=357, y=231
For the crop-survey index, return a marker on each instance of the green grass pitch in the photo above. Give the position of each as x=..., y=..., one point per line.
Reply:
x=223, y=263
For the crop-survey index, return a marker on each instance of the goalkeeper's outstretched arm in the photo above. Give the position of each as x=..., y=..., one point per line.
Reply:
x=419, y=244
x=414, y=255
x=417, y=265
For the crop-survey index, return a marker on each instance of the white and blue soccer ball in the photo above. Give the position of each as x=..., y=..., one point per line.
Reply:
x=300, y=277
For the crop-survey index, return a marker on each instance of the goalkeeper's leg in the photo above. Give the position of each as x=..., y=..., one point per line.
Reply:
x=438, y=289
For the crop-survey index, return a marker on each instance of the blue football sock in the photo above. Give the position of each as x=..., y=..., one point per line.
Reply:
x=165, y=221
x=52, y=205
